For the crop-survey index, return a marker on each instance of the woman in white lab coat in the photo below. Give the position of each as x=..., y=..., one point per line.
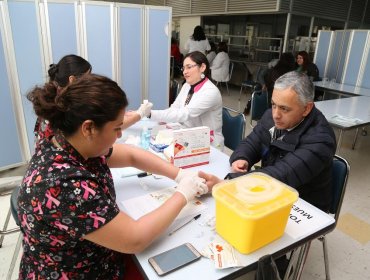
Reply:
x=199, y=102
x=197, y=41
x=221, y=63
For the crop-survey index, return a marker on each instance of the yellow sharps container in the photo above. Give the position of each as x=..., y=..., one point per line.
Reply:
x=252, y=210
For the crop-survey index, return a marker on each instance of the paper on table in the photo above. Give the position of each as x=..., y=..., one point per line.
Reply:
x=141, y=205
x=301, y=219
x=345, y=121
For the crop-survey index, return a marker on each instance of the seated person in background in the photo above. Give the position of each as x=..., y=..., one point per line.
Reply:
x=175, y=51
x=69, y=69
x=293, y=140
x=212, y=53
x=304, y=64
x=177, y=56
x=221, y=63
x=199, y=102
x=72, y=226
x=285, y=64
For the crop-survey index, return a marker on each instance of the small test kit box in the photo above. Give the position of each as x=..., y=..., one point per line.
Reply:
x=190, y=147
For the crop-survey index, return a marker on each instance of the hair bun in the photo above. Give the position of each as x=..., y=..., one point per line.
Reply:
x=53, y=69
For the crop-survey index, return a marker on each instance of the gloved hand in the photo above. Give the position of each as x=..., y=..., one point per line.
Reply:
x=190, y=187
x=145, y=109
x=183, y=173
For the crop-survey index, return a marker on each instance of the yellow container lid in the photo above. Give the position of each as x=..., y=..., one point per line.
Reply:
x=254, y=195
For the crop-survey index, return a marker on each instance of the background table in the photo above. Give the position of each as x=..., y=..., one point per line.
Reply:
x=357, y=107
x=341, y=89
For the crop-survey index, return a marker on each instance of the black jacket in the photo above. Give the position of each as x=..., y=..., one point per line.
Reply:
x=302, y=159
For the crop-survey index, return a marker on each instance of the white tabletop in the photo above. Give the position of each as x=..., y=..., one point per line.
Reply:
x=342, y=88
x=346, y=113
x=299, y=227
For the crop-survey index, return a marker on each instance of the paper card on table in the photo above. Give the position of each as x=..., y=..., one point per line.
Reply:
x=141, y=205
x=301, y=219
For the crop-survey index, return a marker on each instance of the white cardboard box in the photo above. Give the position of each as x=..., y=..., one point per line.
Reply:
x=191, y=147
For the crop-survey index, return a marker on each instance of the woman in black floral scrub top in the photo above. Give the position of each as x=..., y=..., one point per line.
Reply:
x=71, y=224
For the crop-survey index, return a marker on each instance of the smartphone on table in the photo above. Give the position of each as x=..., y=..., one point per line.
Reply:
x=174, y=258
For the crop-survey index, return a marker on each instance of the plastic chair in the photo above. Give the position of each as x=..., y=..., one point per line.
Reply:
x=340, y=174
x=339, y=183
x=12, y=182
x=231, y=69
x=252, y=84
x=259, y=104
x=7, y=186
x=233, y=127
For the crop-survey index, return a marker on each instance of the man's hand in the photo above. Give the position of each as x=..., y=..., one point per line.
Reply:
x=211, y=180
x=240, y=165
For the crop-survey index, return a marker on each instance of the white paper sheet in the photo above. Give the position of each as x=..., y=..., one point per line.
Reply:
x=301, y=219
x=141, y=205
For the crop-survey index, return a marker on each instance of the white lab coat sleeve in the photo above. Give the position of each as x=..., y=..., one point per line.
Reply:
x=187, y=45
x=202, y=101
x=208, y=46
x=217, y=61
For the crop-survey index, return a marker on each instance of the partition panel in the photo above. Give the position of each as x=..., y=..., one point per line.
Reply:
x=322, y=52
x=159, y=56
x=336, y=54
x=346, y=37
x=10, y=145
x=365, y=81
x=354, y=57
x=98, y=37
x=27, y=48
x=131, y=53
x=62, y=26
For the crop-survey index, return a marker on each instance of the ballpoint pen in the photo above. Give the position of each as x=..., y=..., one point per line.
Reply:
x=184, y=224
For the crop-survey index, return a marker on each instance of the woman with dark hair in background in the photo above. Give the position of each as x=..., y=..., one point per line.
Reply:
x=67, y=70
x=70, y=220
x=305, y=65
x=198, y=41
x=221, y=63
x=285, y=64
x=199, y=102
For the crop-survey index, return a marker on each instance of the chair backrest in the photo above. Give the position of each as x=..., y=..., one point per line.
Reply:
x=14, y=204
x=259, y=104
x=174, y=91
x=340, y=173
x=233, y=127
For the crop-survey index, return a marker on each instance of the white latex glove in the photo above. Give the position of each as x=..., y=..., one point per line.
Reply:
x=145, y=109
x=187, y=173
x=190, y=187
x=183, y=173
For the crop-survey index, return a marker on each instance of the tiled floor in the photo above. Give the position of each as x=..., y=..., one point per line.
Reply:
x=348, y=244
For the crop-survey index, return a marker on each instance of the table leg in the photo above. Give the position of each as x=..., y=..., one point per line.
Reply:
x=240, y=98
x=339, y=140
x=301, y=260
x=355, y=139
